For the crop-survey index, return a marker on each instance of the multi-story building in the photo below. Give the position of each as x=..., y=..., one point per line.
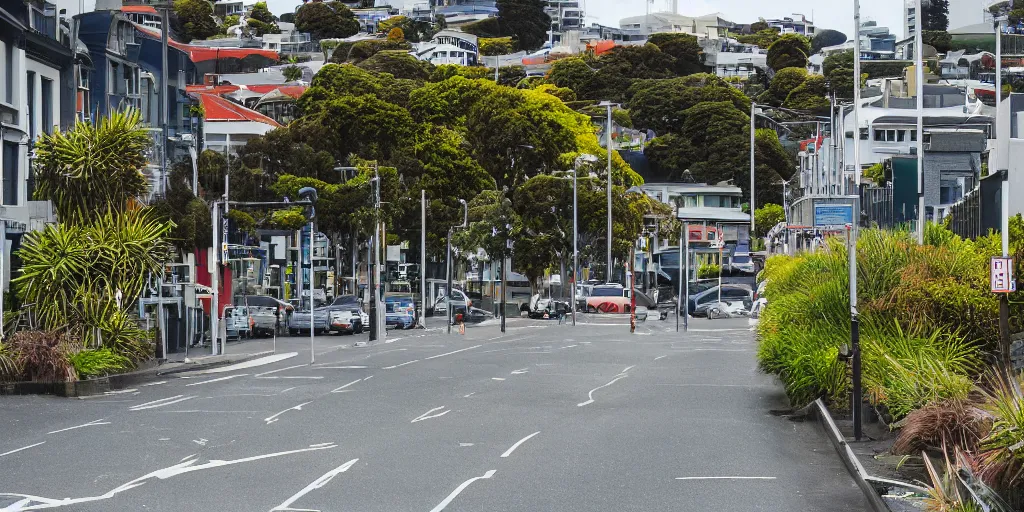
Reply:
x=961, y=14
x=449, y=47
x=598, y=32
x=710, y=26
x=566, y=15
x=798, y=24
x=729, y=57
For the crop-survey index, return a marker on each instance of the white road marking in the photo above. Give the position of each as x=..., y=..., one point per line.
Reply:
x=250, y=364
x=569, y=346
x=318, y=445
x=154, y=383
x=229, y=377
x=368, y=377
x=90, y=424
x=318, y=483
x=30, y=502
x=521, y=441
x=725, y=478
x=120, y=391
x=465, y=444
x=520, y=372
x=338, y=390
x=469, y=395
x=295, y=377
x=281, y=370
x=273, y=418
x=286, y=390
x=343, y=367
x=628, y=368
x=591, y=394
x=160, y=403
x=452, y=352
x=23, y=448
x=427, y=415
x=497, y=378
x=400, y=365
x=459, y=489
x=201, y=442
x=659, y=357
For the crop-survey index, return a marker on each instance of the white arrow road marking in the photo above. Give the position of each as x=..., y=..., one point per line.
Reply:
x=338, y=390
x=160, y=403
x=521, y=441
x=90, y=424
x=318, y=483
x=273, y=418
x=229, y=377
x=459, y=489
x=20, y=449
x=591, y=394
x=250, y=364
x=427, y=415
x=29, y=502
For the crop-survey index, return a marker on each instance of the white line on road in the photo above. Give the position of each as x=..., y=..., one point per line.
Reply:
x=338, y=390
x=90, y=424
x=217, y=379
x=343, y=367
x=521, y=441
x=154, y=383
x=308, y=377
x=725, y=478
x=274, y=417
x=628, y=368
x=427, y=415
x=250, y=364
x=368, y=377
x=591, y=394
x=281, y=369
x=452, y=352
x=659, y=357
x=520, y=372
x=318, y=483
x=459, y=489
x=23, y=448
x=400, y=365
x=120, y=392
x=160, y=403
x=497, y=378
x=469, y=395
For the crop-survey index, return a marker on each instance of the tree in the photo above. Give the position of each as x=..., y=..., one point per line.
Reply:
x=396, y=35
x=659, y=105
x=292, y=73
x=398, y=63
x=789, y=51
x=193, y=19
x=326, y=20
x=288, y=17
x=810, y=96
x=783, y=83
x=524, y=20
x=262, y=21
x=935, y=15
x=767, y=217
x=826, y=38
x=617, y=69
x=762, y=38
x=938, y=39
x=759, y=25
x=106, y=174
x=684, y=48
x=491, y=46
x=574, y=73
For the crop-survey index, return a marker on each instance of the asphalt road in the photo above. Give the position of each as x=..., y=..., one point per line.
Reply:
x=546, y=417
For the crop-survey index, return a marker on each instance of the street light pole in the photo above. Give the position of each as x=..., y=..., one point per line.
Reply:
x=753, y=162
x=423, y=258
x=372, y=267
x=686, y=277
x=312, y=314
x=575, y=239
x=919, y=77
x=608, y=270
x=855, y=189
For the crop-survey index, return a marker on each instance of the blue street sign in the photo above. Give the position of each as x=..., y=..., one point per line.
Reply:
x=833, y=215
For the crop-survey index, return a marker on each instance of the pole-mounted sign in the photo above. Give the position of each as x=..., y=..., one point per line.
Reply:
x=1002, y=276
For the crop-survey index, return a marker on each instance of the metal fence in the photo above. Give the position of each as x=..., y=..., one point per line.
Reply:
x=965, y=215
x=877, y=207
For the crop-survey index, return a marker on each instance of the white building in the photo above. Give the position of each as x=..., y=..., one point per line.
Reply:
x=1007, y=151
x=711, y=26
x=798, y=24
x=449, y=47
x=228, y=126
x=729, y=57
x=566, y=15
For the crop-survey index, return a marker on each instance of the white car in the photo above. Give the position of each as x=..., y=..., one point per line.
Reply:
x=743, y=263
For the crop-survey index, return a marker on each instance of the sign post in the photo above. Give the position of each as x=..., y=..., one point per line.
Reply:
x=1002, y=275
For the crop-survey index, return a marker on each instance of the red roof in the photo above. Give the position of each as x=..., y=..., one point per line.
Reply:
x=201, y=53
x=219, y=109
x=291, y=90
x=145, y=9
x=212, y=89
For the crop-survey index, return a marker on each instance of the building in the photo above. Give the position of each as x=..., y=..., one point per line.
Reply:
x=228, y=126
x=799, y=24
x=566, y=15
x=876, y=42
x=961, y=12
x=597, y=32
x=449, y=47
x=1008, y=147
x=711, y=26
x=729, y=57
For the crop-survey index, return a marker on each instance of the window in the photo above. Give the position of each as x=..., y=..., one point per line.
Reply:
x=691, y=201
x=10, y=174
x=9, y=72
x=863, y=134
x=913, y=135
x=901, y=135
x=47, y=96
x=30, y=86
x=712, y=201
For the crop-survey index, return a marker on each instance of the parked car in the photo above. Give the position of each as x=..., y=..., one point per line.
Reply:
x=299, y=322
x=742, y=263
x=702, y=301
x=607, y=298
x=408, y=271
x=249, y=321
x=349, y=305
x=546, y=308
x=400, y=311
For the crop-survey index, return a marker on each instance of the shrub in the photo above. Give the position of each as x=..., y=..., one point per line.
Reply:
x=948, y=422
x=1002, y=456
x=708, y=271
x=9, y=365
x=99, y=362
x=43, y=355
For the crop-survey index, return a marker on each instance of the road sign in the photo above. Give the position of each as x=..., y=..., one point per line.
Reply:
x=833, y=215
x=1002, y=276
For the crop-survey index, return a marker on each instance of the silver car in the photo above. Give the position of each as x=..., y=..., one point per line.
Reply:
x=298, y=323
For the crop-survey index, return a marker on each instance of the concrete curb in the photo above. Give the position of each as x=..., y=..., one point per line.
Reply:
x=853, y=465
x=100, y=385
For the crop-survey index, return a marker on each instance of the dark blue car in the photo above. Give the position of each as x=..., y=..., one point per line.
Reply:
x=400, y=311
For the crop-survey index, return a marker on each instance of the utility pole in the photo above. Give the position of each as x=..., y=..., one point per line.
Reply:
x=164, y=111
x=375, y=241
x=919, y=76
x=608, y=271
x=856, y=98
x=312, y=323
x=686, y=276
x=575, y=239
x=852, y=250
x=753, y=162
x=423, y=258
x=215, y=281
x=1004, y=304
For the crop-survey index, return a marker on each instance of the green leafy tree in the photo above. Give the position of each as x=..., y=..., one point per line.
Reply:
x=490, y=46
x=396, y=35
x=659, y=105
x=193, y=19
x=759, y=25
x=399, y=64
x=326, y=20
x=83, y=181
x=292, y=73
x=789, y=51
x=684, y=48
x=766, y=218
x=288, y=17
x=262, y=21
x=574, y=73
x=783, y=83
x=935, y=15
x=762, y=38
x=939, y=39
x=523, y=20
x=810, y=96
x=826, y=38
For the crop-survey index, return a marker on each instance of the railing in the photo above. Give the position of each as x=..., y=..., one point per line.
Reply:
x=877, y=207
x=965, y=215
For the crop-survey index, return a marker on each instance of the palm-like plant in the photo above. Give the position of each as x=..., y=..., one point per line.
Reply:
x=93, y=168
